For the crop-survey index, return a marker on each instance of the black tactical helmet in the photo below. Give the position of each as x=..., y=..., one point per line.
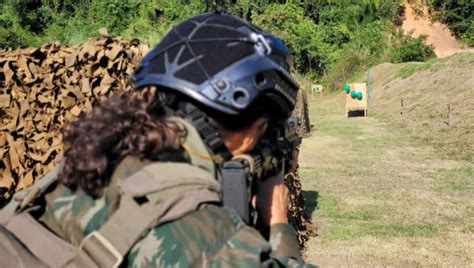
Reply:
x=221, y=62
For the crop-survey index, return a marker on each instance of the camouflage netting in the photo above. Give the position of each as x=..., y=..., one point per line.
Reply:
x=297, y=215
x=301, y=110
x=42, y=89
x=296, y=212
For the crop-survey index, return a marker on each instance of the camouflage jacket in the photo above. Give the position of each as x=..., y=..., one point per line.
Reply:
x=209, y=236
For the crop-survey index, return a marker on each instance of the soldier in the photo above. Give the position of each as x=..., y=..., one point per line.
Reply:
x=139, y=185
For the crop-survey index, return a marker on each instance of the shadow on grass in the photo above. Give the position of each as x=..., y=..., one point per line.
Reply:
x=311, y=202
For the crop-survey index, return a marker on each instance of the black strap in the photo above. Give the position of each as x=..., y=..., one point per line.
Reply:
x=235, y=180
x=208, y=133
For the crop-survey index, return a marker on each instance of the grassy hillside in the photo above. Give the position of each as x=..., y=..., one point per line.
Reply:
x=437, y=98
x=391, y=189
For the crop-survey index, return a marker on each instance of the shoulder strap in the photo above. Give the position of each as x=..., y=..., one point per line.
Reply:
x=21, y=199
x=32, y=233
x=107, y=246
x=160, y=176
x=131, y=220
x=43, y=244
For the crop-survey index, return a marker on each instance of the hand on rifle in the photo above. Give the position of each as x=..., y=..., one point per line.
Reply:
x=272, y=200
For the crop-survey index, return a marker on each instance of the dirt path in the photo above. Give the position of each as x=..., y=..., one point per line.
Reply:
x=380, y=197
x=438, y=34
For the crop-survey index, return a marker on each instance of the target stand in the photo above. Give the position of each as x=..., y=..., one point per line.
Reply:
x=316, y=88
x=356, y=98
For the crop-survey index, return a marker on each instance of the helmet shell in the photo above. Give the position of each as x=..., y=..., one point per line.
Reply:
x=221, y=62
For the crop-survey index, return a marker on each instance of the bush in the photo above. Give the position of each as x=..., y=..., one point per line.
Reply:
x=71, y=22
x=458, y=15
x=413, y=49
x=351, y=62
x=12, y=33
x=302, y=36
x=468, y=36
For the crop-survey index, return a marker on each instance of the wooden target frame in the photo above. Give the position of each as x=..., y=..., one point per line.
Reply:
x=354, y=104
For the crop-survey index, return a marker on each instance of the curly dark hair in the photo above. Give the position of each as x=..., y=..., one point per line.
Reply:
x=122, y=125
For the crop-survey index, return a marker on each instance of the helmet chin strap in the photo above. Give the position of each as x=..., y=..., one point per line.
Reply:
x=209, y=133
x=234, y=180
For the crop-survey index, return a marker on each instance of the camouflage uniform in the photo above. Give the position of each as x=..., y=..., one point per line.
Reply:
x=210, y=236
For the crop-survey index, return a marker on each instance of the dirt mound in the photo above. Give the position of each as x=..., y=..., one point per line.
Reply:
x=434, y=100
x=439, y=35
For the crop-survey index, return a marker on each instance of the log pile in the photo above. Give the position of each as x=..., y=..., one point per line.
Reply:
x=42, y=89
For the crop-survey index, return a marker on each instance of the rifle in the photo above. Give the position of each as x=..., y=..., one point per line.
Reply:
x=271, y=156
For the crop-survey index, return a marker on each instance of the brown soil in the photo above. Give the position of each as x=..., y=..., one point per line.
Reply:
x=438, y=34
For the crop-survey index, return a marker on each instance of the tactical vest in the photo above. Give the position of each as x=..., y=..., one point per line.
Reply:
x=25, y=242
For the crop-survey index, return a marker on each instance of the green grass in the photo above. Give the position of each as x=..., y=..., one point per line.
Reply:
x=332, y=208
x=328, y=205
x=365, y=220
x=346, y=232
x=357, y=77
x=316, y=110
x=408, y=69
x=456, y=179
x=331, y=127
x=341, y=129
x=411, y=68
x=351, y=168
x=470, y=228
x=463, y=59
x=372, y=214
x=463, y=171
x=459, y=186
